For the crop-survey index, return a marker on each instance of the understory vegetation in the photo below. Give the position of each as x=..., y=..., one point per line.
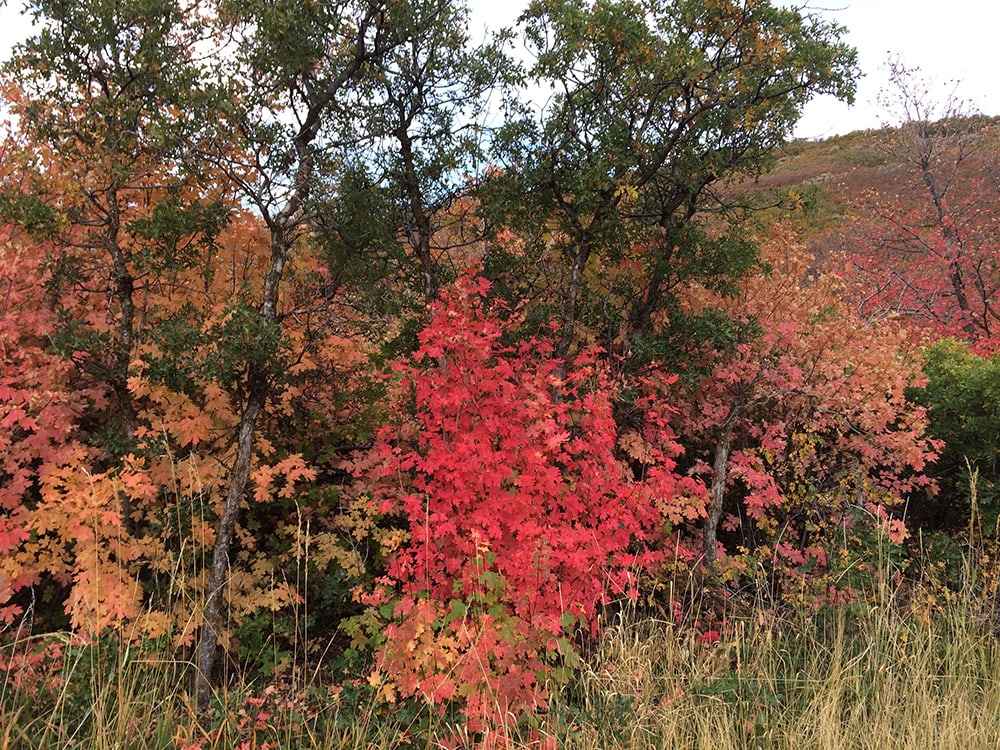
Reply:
x=907, y=665
x=353, y=397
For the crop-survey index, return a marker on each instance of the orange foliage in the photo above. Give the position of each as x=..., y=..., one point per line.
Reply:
x=820, y=424
x=115, y=530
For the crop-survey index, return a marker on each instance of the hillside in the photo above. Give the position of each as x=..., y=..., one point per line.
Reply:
x=837, y=183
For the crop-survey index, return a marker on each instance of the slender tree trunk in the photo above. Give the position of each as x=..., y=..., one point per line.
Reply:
x=219, y=571
x=282, y=230
x=283, y=227
x=640, y=317
x=421, y=230
x=952, y=246
x=720, y=469
x=568, y=326
x=124, y=290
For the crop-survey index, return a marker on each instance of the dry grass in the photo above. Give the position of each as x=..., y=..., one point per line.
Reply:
x=885, y=673
x=833, y=680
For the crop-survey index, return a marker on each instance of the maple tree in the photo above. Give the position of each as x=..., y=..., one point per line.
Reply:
x=805, y=412
x=38, y=410
x=105, y=112
x=97, y=178
x=521, y=510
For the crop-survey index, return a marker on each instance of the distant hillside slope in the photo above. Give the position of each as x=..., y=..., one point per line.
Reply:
x=839, y=185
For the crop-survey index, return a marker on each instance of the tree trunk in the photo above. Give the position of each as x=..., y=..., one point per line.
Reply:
x=283, y=226
x=572, y=295
x=720, y=468
x=282, y=230
x=718, y=492
x=420, y=229
x=219, y=571
x=952, y=244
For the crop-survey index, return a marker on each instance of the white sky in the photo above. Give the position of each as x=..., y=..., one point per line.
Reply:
x=953, y=42
x=948, y=40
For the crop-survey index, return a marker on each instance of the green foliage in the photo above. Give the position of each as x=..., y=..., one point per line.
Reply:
x=288, y=37
x=111, y=74
x=177, y=232
x=686, y=333
x=652, y=105
x=29, y=211
x=962, y=397
x=177, y=338
x=359, y=238
x=245, y=339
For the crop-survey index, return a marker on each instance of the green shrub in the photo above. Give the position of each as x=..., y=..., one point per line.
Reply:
x=962, y=396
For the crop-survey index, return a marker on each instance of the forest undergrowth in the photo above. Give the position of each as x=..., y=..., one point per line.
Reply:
x=909, y=662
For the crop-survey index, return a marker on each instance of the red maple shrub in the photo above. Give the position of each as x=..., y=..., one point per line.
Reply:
x=803, y=430
x=524, y=507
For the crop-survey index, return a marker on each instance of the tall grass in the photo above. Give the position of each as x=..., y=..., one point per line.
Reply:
x=109, y=695
x=888, y=671
x=842, y=679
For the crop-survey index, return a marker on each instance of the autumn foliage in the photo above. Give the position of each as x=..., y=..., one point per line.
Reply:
x=299, y=377
x=807, y=415
x=522, y=511
x=39, y=408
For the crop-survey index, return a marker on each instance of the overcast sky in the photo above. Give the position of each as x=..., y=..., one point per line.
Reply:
x=949, y=40
x=953, y=42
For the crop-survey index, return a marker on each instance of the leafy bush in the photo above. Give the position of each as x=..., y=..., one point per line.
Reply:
x=962, y=397
x=504, y=469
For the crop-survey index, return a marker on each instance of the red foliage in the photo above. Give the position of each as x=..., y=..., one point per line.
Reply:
x=941, y=273
x=517, y=501
x=931, y=253
x=814, y=409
